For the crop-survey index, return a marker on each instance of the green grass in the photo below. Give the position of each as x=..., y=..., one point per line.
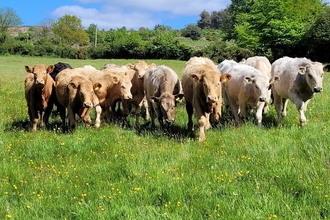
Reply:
x=124, y=173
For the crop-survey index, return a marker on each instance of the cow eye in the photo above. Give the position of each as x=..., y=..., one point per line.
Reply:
x=270, y=86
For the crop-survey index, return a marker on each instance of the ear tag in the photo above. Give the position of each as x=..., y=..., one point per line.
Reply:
x=96, y=88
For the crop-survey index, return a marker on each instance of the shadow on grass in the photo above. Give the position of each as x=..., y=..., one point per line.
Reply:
x=26, y=126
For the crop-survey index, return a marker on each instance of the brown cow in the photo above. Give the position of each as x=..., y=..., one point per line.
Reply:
x=163, y=89
x=201, y=82
x=76, y=93
x=39, y=87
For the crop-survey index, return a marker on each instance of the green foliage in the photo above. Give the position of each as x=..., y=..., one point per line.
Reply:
x=192, y=31
x=69, y=30
x=221, y=50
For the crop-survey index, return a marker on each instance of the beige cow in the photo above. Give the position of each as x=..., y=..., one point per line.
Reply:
x=39, y=87
x=202, y=83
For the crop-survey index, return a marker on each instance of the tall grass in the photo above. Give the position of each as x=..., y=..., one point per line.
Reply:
x=124, y=173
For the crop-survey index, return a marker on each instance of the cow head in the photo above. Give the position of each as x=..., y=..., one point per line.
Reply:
x=39, y=72
x=166, y=105
x=313, y=73
x=260, y=86
x=82, y=90
x=140, y=67
x=211, y=82
x=123, y=80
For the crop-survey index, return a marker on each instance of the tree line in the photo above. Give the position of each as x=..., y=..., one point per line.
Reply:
x=272, y=28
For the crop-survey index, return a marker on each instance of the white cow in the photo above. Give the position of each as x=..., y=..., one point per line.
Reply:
x=264, y=66
x=299, y=79
x=248, y=87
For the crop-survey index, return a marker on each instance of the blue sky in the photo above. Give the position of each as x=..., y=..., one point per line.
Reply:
x=115, y=14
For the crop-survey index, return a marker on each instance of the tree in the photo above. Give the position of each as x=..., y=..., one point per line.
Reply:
x=192, y=31
x=8, y=18
x=205, y=20
x=69, y=30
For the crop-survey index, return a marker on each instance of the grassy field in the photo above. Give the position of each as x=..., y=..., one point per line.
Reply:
x=124, y=173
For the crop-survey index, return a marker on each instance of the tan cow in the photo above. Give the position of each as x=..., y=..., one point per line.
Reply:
x=75, y=93
x=163, y=89
x=300, y=79
x=248, y=88
x=201, y=83
x=39, y=87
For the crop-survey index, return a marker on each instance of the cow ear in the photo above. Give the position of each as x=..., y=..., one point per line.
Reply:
x=274, y=79
x=28, y=69
x=302, y=69
x=178, y=97
x=326, y=68
x=50, y=68
x=225, y=77
x=248, y=79
x=197, y=77
x=129, y=66
x=154, y=99
x=115, y=79
x=97, y=86
x=151, y=65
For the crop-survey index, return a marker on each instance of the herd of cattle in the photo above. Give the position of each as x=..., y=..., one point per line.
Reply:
x=253, y=83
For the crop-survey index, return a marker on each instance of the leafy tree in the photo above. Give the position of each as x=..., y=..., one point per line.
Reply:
x=205, y=20
x=69, y=30
x=192, y=31
x=318, y=37
x=8, y=18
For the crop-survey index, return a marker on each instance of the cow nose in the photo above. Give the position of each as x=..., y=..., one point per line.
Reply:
x=318, y=89
x=40, y=81
x=88, y=105
x=262, y=99
x=212, y=99
x=128, y=97
x=169, y=121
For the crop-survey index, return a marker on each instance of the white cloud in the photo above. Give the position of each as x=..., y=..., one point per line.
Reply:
x=135, y=14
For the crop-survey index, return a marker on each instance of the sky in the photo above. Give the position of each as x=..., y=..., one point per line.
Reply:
x=113, y=14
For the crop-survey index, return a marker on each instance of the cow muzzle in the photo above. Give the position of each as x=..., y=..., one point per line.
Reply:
x=128, y=97
x=40, y=82
x=169, y=121
x=262, y=99
x=88, y=105
x=317, y=89
x=211, y=99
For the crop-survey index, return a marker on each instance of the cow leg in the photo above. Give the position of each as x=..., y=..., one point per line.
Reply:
x=260, y=109
x=72, y=119
x=190, y=111
x=47, y=113
x=301, y=107
x=202, y=123
x=61, y=110
x=98, y=111
x=126, y=110
x=87, y=119
x=278, y=103
x=34, y=118
x=137, y=115
x=284, y=107
x=152, y=113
